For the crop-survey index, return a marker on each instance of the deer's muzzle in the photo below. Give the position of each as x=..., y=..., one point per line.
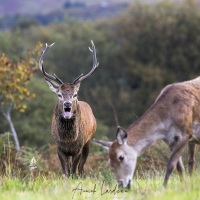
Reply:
x=67, y=107
x=121, y=184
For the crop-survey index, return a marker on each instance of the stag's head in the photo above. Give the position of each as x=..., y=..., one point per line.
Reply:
x=122, y=158
x=66, y=92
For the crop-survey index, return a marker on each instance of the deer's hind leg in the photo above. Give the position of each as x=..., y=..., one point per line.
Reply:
x=179, y=146
x=179, y=166
x=191, y=160
x=84, y=155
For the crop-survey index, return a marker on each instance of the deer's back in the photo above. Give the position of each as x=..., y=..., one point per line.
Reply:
x=180, y=103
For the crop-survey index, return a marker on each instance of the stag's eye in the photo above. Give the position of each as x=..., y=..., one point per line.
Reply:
x=59, y=95
x=75, y=96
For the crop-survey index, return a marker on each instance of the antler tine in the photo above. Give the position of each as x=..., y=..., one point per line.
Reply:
x=48, y=76
x=95, y=65
x=58, y=79
x=77, y=79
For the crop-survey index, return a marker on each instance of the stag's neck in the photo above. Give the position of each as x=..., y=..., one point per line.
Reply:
x=147, y=130
x=67, y=127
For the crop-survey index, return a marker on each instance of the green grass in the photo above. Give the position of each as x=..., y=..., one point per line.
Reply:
x=30, y=180
x=56, y=188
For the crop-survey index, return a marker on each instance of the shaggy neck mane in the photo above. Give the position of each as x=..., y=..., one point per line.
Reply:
x=67, y=124
x=67, y=127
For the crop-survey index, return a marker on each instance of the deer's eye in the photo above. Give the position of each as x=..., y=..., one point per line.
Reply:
x=75, y=96
x=121, y=158
x=59, y=95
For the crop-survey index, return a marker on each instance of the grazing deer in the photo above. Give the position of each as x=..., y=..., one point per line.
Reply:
x=174, y=117
x=73, y=123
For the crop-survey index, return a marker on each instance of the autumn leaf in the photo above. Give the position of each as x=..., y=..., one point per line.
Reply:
x=15, y=77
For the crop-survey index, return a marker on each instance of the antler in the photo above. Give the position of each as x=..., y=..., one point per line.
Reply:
x=95, y=65
x=48, y=76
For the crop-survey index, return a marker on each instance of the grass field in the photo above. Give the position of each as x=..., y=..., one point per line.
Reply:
x=98, y=187
x=23, y=178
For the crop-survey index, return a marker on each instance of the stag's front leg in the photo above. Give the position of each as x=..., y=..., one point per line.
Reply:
x=191, y=151
x=75, y=162
x=65, y=162
x=175, y=156
x=84, y=156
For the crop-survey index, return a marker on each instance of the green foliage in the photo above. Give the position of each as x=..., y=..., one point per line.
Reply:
x=141, y=51
x=164, y=35
x=8, y=161
x=14, y=79
x=149, y=46
x=34, y=124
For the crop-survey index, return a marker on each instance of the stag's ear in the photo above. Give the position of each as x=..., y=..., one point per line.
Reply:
x=53, y=87
x=77, y=85
x=102, y=143
x=121, y=135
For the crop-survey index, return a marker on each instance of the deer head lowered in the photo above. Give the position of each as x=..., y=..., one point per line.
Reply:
x=174, y=117
x=73, y=122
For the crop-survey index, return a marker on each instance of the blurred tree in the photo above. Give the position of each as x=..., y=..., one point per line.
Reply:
x=24, y=22
x=13, y=86
x=140, y=51
x=34, y=124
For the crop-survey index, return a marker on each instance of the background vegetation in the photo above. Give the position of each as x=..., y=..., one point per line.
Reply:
x=35, y=174
x=140, y=51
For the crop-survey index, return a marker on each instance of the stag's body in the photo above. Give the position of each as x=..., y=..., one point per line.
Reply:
x=73, y=122
x=174, y=117
x=69, y=134
x=73, y=136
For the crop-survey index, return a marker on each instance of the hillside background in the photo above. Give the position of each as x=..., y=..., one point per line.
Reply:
x=141, y=47
x=12, y=7
x=45, y=12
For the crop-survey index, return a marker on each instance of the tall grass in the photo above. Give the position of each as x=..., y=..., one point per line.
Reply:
x=57, y=188
x=19, y=181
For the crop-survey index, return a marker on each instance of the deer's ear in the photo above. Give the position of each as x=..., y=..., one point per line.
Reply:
x=121, y=135
x=53, y=87
x=77, y=86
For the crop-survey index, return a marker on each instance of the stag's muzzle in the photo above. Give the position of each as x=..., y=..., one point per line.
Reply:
x=67, y=107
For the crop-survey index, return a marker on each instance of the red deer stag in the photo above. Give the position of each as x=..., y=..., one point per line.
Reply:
x=73, y=122
x=174, y=117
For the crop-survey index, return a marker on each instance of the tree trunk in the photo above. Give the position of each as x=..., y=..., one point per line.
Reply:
x=12, y=128
x=14, y=133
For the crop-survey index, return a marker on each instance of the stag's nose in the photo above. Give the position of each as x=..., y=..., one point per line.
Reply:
x=67, y=104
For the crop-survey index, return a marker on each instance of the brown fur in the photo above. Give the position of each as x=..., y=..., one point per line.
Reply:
x=179, y=102
x=73, y=136
x=174, y=117
x=73, y=123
